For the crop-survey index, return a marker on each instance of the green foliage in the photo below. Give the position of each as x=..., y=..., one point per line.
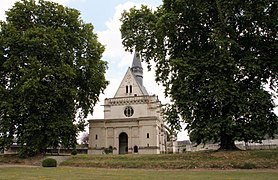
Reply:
x=74, y=152
x=50, y=72
x=216, y=60
x=49, y=162
x=108, y=150
x=27, y=151
x=248, y=165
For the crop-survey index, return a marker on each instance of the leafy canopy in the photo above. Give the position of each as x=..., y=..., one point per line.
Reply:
x=216, y=60
x=50, y=70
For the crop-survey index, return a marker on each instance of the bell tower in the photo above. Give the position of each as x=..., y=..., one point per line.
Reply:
x=137, y=68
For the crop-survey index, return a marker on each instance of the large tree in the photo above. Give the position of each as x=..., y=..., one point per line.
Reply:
x=218, y=61
x=51, y=75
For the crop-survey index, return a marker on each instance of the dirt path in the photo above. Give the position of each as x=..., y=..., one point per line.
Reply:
x=17, y=165
x=35, y=162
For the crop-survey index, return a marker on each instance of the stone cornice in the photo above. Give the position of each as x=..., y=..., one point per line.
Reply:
x=128, y=119
x=131, y=100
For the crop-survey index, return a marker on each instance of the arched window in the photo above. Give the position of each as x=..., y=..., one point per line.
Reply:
x=148, y=135
x=96, y=137
x=126, y=89
x=135, y=149
x=130, y=89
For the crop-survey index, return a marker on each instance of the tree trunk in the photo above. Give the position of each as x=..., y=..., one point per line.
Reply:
x=227, y=143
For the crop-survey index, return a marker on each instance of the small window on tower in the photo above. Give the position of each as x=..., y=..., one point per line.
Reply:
x=148, y=135
x=96, y=136
x=130, y=89
x=126, y=89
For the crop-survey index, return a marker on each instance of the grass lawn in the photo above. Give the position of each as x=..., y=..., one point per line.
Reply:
x=258, y=164
x=258, y=159
x=61, y=173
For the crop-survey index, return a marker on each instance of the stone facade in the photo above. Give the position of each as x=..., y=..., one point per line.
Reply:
x=132, y=119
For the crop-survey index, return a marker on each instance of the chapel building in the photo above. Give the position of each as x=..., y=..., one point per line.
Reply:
x=133, y=121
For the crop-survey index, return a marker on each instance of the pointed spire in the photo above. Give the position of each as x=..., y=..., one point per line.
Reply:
x=136, y=60
x=137, y=68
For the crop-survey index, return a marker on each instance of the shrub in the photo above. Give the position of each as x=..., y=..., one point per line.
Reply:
x=74, y=152
x=49, y=162
x=108, y=150
x=27, y=152
x=248, y=165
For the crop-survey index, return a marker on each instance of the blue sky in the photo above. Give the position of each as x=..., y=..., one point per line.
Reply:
x=99, y=12
x=105, y=15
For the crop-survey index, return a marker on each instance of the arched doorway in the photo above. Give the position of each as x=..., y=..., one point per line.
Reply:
x=123, y=143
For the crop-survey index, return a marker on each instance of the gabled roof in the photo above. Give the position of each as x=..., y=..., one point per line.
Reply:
x=142, y=88
x=130, y=79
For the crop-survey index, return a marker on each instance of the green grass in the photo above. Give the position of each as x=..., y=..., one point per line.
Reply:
x=191, y=165
x=257, y=159
x=140, y=174
x=190, y=160
x=14, y=159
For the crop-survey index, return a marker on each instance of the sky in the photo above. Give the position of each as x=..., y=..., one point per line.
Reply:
x=105, y=15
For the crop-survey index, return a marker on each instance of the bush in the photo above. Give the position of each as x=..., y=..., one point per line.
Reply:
x=74, y=152
x=49, y=162
x=248, y=165
x=108, y=150
x=27, y=152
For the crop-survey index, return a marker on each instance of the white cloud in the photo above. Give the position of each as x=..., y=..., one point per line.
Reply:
x=5, y=5
x=111, y=37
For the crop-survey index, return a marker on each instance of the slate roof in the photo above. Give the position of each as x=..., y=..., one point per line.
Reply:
x=136, y=60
